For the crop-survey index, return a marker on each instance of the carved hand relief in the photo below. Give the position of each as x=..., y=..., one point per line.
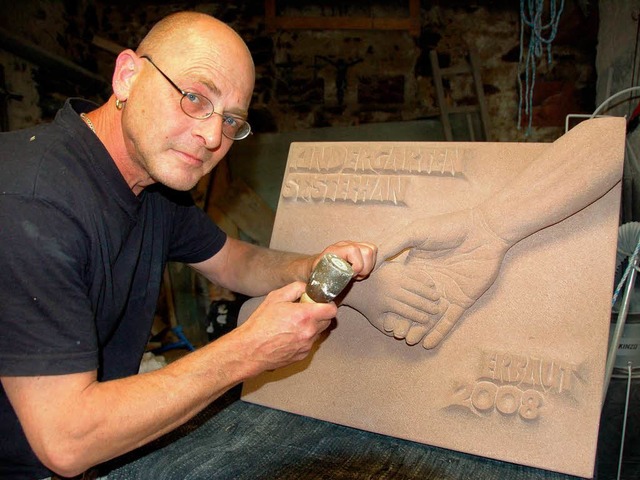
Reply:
x=455, y=260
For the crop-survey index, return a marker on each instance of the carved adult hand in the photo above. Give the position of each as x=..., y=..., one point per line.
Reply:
x=451, y=260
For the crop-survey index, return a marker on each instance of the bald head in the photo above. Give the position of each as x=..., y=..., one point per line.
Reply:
x=178, y=34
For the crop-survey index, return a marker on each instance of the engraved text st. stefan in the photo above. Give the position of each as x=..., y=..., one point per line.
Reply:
x=368, y=173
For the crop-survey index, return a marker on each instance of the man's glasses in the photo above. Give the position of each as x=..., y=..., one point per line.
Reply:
x=200, y=107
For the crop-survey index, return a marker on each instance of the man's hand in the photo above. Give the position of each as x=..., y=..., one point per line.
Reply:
x=282, y=331
x=361, y=256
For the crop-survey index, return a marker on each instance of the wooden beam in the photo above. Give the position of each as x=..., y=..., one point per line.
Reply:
x=107, y=45
x=248, y=211
x=477, y=80
x=410, y=23
x=223, y=221
x=45, y=59
x=234, y=206
x=341, y=23
x=442, y=101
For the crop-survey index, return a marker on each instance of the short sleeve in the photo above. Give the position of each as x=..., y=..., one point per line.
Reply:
x=45, y=315
x=194, y=236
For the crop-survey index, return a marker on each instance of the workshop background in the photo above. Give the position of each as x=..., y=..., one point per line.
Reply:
x=331, y=63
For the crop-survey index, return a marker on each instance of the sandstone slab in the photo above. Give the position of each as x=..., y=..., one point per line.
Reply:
x=517, y=375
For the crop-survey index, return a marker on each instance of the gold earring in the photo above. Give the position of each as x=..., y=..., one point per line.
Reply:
x=119, y=104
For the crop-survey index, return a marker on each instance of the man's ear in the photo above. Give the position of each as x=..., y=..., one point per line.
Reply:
x=124, y=74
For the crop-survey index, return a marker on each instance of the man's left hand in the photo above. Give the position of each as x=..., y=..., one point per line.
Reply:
x=361, y=256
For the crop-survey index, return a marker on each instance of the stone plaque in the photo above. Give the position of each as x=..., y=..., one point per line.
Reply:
x=507, y=365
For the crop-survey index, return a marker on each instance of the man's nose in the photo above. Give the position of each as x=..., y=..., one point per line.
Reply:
x=210, y=131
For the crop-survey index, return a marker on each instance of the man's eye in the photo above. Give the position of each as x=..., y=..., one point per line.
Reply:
x=193, y=98
x=231, y=121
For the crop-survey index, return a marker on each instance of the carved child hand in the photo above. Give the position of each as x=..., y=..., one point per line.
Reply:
x=398, y=299
x=452, y=260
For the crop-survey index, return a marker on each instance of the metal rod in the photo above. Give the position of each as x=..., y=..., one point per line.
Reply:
x=624, y=422
x=620, y=322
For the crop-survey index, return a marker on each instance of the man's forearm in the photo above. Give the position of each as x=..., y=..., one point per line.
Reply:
x=103, y=420
x=253, y=270
x=267, y=269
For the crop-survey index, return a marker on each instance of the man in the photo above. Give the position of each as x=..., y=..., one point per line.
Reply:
x=90, y=212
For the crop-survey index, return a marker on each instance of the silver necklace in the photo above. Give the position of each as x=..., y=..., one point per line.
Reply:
x=88, y=121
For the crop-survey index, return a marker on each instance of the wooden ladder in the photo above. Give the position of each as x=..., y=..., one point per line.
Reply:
x=470, y=66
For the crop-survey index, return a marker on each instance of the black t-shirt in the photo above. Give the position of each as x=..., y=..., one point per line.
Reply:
x=82, y=260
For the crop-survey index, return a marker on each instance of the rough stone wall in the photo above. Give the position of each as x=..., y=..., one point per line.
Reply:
x=59, y=32
x=311, y=78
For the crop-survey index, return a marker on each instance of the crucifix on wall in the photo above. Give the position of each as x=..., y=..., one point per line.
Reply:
x=341, y=67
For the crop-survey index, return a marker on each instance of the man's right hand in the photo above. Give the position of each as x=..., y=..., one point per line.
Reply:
x=282, y=331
